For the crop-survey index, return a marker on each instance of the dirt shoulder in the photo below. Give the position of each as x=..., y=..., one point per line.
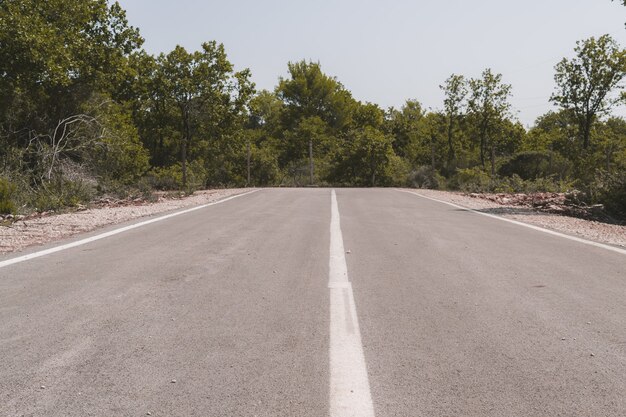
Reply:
x=48, y=228
x=611, y=234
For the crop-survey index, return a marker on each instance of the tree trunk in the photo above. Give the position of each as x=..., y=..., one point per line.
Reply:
x=451, y=153
x=186, y=139
x=550, y=160
x=493, y=160
x=248, y=162
x=311, y=161
x=482, y=150
x=183, y=161
x=587, y=131
x=432, y=151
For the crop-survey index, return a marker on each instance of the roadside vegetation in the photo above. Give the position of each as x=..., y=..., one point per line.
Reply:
x=86, y=112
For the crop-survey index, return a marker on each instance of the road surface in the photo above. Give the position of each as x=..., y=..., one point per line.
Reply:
x=306, y=302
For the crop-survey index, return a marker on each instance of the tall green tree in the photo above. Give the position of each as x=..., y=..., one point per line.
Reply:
x=310, y=94
x=455, y=90
x=488, y=105
x=403, y=125
x=364, y=158
x=585, y=83
x=208, y=95
x=55, y=54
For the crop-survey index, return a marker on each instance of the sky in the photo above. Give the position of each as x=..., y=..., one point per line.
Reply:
x=386, y=52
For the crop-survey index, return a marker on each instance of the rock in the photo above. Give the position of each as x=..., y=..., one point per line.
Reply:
x=348, y=251
x=173, y=381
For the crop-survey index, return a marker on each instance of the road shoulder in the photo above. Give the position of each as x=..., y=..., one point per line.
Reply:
x=610, y=234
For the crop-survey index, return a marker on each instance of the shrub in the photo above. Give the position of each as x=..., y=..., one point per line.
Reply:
x=472, y=180
x=532, y=165
x=396, y=172
x=7, y=191
x=171, y=178
x=425, y=177
x=611, y=192
x=61, y=192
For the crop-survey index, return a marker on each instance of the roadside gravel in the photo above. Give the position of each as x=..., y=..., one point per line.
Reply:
x=39, y=230
x=599, y=232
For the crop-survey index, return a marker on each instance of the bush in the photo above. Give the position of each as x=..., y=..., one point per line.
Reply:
x=532, y=165
x=475, y=180
x=396, y=172
x=611, y=192
x=171, y=178
x=7, y=191
x=472, y=180
x=425, y=177
x=61, y=192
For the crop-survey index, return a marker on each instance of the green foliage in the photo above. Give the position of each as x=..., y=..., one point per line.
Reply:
x=118, y=155
x=171, y=178
x=7, y=191
x=60, y=193
x=404, y=125
x=425, y=176
x=364, y=159
x=83, y=109
x=471, y=180
x=475, y=180
x=311, y=93
x=531, y=165
x=585, y=82
x=489, y=107
x=455, y=89
x=613, y=195
x=397, y=172
x=209, y=98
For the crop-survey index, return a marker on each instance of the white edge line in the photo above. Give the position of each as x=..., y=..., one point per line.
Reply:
x=113, y=232
x=530, y=226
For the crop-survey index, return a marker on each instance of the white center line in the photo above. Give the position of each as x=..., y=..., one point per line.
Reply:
x=349, y=385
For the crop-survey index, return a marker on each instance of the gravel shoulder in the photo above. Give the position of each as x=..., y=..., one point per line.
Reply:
x=45, y=229
x=592, y=230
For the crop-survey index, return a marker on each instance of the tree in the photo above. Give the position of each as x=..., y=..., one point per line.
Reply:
x=55, y=54
x=364, y=157
x=309, y=93
x=206, y=92
x=584, y=83
x=612, y=141
x=488, y=105
x=455, y=90
x=403, y=125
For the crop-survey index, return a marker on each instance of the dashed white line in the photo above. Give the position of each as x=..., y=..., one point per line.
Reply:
x=112, y=232
x=349, y=384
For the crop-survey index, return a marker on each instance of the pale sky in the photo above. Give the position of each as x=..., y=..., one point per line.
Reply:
x=389, y=51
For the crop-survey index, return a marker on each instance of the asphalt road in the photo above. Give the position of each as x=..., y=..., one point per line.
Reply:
x=227, y=311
